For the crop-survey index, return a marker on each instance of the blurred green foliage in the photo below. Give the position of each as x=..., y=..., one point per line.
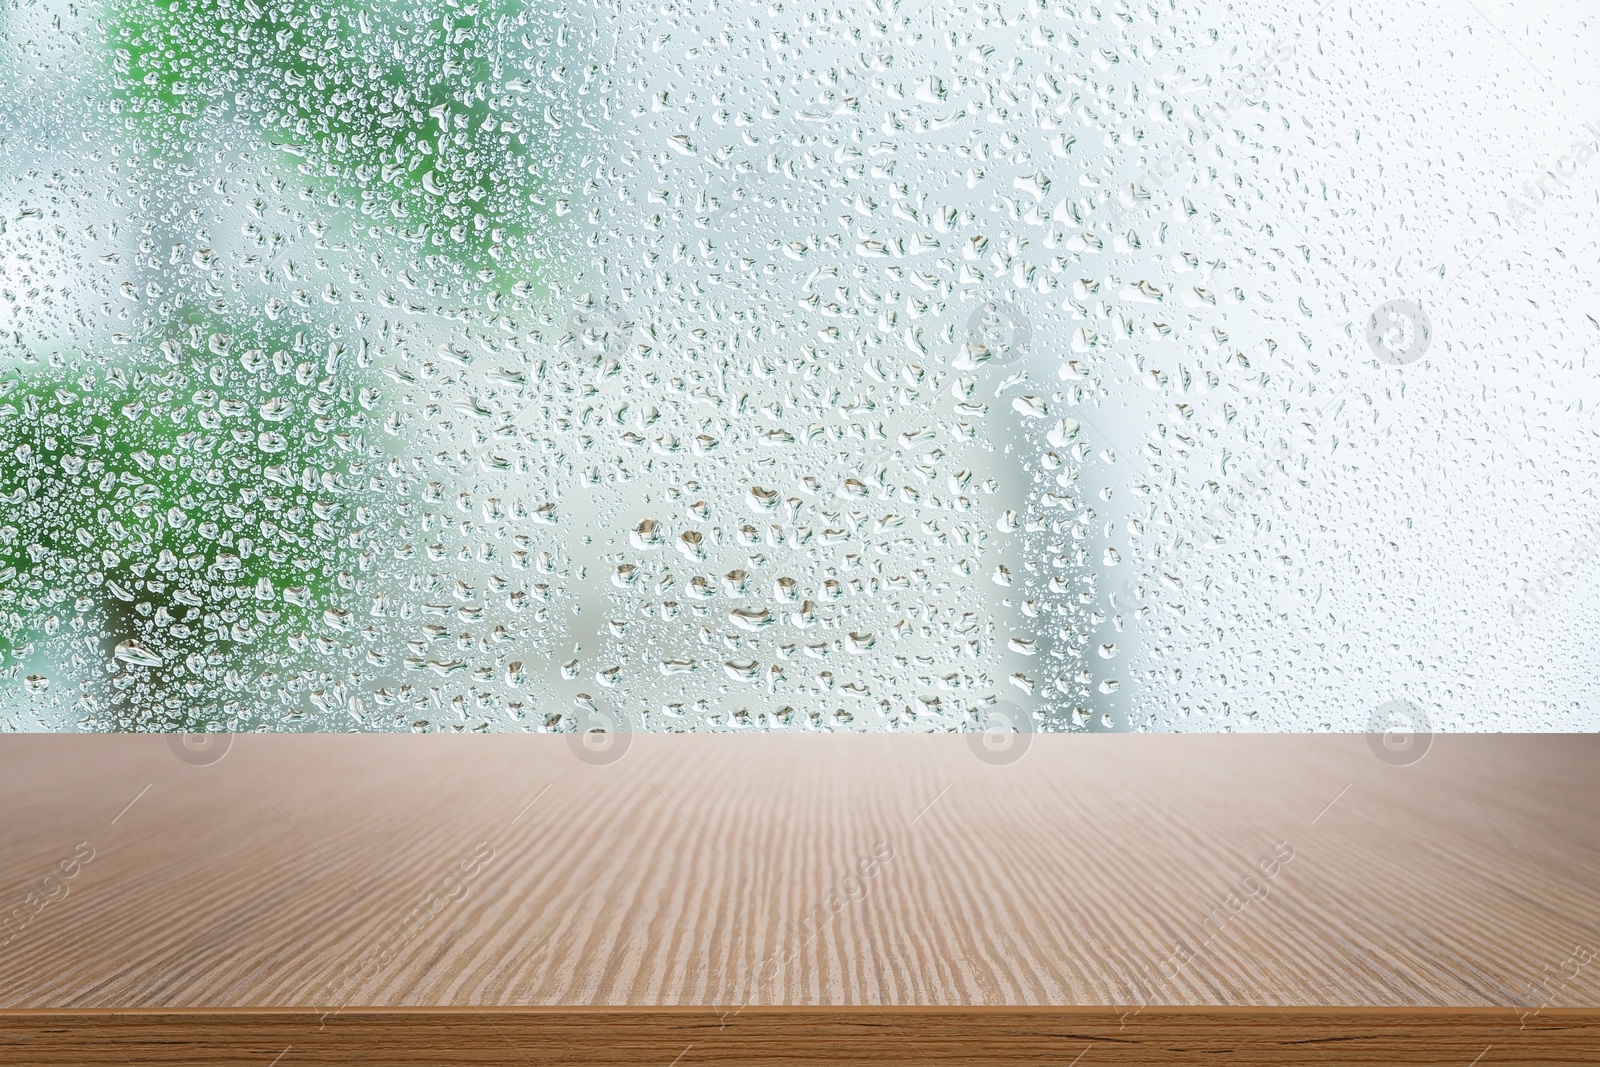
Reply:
x=421, y=113
x=184, y=522
x=183, y=532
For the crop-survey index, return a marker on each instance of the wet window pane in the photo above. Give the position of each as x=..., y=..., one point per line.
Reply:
x=510, y=367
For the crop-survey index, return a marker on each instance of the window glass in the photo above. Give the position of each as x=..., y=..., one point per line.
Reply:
x=497, y=366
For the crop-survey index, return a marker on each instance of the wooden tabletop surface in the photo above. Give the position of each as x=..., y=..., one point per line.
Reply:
x=343, y=878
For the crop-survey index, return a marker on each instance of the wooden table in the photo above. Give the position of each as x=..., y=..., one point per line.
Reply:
x=310, y=900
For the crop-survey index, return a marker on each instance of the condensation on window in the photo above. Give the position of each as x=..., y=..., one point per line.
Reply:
x=888, y=367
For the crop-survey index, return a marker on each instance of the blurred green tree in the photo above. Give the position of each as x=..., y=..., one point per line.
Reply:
x=186, y=528
x=185, y=533
x=422, y=114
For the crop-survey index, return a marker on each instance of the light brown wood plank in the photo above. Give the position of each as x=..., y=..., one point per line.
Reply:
x=949, y=1037
x=292, y=879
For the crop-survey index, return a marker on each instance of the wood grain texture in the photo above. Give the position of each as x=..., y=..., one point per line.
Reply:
x=786, y=886
x=767, y=1037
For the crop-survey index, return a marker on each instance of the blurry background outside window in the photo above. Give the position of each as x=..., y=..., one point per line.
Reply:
x=508, y=367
